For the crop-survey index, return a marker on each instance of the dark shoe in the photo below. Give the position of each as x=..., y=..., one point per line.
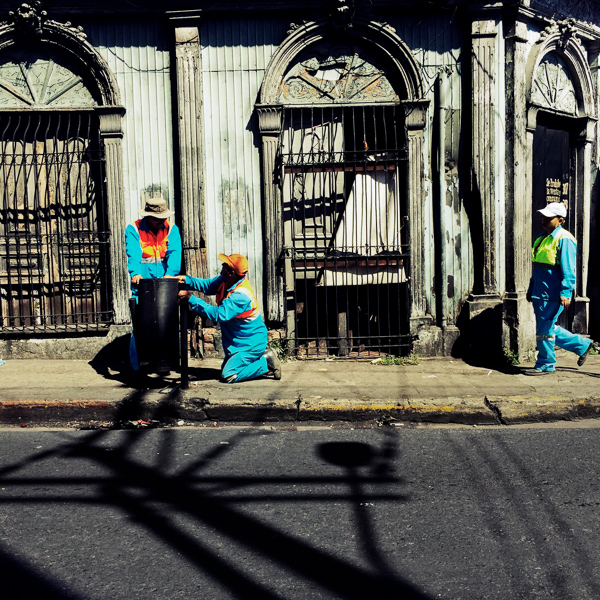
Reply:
x=273, y=363
x=582, y=358
x=230, y=379
x=533, y=372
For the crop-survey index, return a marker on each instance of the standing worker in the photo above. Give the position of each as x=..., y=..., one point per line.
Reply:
x=551, y=288
x=153, y=246
x=242, y=326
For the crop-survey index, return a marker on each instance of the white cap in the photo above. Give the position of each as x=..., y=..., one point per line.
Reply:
x=554, y=209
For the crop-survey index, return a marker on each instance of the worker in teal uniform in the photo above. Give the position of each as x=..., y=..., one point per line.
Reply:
x=153, y=247
x=243, y=330
x=551, y=288
x=153, y=244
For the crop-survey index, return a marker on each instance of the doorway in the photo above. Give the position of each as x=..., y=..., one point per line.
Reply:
x=553, y=180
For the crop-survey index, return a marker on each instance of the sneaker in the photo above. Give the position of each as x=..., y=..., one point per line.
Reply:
x=273, y=363
x=582, y=358
x=229, y=379
x=533, y=372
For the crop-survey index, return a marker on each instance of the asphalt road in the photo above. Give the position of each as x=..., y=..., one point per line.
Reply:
x=251, y=513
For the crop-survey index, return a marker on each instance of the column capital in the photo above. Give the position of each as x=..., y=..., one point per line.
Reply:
x=415, y=114
x=187, y=35
x=269, y=118
x=111, y=121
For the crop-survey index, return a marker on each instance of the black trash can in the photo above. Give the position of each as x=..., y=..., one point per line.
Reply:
x=156, y=326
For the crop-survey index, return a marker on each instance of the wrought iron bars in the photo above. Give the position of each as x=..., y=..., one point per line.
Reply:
x=54, y=270
x=346, y=251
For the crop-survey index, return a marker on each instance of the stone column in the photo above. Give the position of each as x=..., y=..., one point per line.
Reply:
x=188, y=70
x=593, y=272
x=483, y=142
x=270, y=122
x=111, y=132
x=484, y=305
x=415, y=119
x=519, y=321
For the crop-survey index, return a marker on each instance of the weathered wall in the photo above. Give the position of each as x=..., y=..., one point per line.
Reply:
x=138, y=53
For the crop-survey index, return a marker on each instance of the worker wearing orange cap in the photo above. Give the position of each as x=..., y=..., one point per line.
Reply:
x=242, y=326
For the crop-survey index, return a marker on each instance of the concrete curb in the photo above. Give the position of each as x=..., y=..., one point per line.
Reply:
x=534, y=409
x=175, y=406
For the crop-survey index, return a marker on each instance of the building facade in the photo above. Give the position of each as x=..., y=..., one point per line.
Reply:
x=379, y=163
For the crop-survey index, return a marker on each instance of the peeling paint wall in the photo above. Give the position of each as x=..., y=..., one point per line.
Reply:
x=436, y=42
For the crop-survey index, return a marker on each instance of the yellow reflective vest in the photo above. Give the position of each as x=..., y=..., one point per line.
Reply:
x=545, y=248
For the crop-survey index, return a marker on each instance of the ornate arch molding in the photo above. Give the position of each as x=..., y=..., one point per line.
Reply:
x=28, y=28
x=560, y=39
x=72, y=42
x=379, y=35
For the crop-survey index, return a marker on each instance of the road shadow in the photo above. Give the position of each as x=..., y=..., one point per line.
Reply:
x=20, y=582
x=576, y=371
x=155, y=496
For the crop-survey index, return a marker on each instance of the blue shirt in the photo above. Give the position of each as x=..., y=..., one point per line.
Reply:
x=171, y=265
x=550, y=283
x=238, y=334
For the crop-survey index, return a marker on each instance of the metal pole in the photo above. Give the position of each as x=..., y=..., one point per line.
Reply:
x=183, y=322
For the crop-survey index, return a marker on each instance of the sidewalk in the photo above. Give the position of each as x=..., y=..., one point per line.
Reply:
x=439, y=390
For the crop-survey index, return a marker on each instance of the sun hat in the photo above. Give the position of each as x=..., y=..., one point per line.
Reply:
x=156, y=207
x=237, y=262
x=554, y=209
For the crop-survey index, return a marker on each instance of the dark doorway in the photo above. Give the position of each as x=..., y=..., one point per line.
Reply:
x=552, y=159
x=553, y=178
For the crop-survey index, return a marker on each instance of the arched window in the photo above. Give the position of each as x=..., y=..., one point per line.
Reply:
x=58, y=210
x=343, y=194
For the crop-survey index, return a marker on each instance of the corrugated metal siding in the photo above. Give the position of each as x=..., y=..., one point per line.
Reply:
x=235, y=55
x=137, y=51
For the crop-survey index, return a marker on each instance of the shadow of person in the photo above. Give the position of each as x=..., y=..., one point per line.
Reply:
x=112, y=361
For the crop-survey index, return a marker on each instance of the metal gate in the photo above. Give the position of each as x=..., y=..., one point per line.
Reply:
x=54, y=240
x=343, y=185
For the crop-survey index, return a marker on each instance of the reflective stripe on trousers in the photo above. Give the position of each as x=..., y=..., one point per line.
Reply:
x=549, y=334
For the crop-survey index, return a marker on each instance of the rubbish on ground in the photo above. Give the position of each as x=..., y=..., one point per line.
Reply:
x=429, y=376
x=168, y=390
x=180, y=422
x=2, y=362
x=140, y=423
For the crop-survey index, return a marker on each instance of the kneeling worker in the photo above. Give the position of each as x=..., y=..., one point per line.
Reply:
x=242, y=326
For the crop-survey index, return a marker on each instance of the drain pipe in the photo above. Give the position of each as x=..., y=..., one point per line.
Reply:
x=442, y=110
